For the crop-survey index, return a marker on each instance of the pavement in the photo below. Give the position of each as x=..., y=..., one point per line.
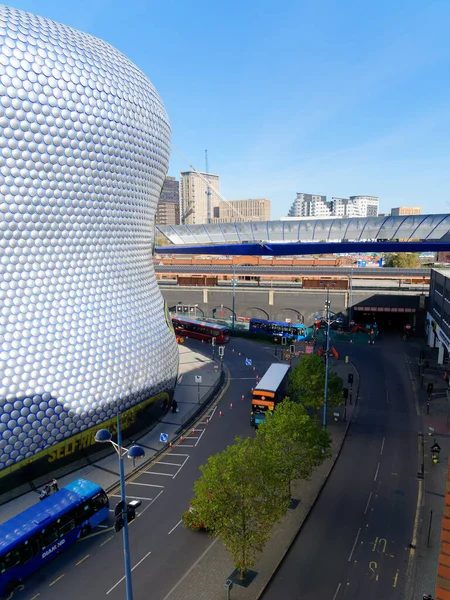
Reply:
x=435, y=428
x=189, y=395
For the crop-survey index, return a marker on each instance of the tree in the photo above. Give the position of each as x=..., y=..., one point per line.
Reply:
x=307, y=383
x=239, y=497
x=405, y=260
x=295, y=442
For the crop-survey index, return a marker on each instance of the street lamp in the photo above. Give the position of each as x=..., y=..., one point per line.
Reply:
x=329, y=322
x=234, y=297
x=103, y=436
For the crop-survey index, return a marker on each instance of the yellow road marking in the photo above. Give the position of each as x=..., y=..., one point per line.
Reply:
x=372, y=566
x=34, y=597
x=82, y=560
x=139, y=472
x=106, y=541
x=56, y=580
x=395, y=579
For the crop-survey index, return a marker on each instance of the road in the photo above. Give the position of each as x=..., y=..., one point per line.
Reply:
x=355, y=543
x=207, y=269
x=161, y=549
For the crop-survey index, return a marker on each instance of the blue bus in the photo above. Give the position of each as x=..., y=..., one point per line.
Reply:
x=291, y=331
x=35, y=536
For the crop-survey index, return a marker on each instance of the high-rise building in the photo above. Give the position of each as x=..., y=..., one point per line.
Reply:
x=310, y=205
x=199, y=194
x=253, y=209
x=365, y=206
x=406, y=210
x=168, y=209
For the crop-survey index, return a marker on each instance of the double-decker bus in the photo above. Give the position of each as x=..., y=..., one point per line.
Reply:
x=200, y=330
x=291, y=331
x=35, y=536
x=269, y=391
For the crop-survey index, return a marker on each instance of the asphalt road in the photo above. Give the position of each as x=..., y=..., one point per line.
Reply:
x=355, y=543
x=161, y=549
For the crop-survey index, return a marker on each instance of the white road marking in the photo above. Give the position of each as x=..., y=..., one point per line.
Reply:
x=133, y=568
x=191, y=568
x=382, y=446
x=144, y=484
x=187, y=445
x=200, y=437
x=181, y=466
x=148, y=505
x=132, y=496
x=354, y=545
x=376, y=473
x=183, y=455
x=155, y=473
x=160, y=462
x=368, y=502
x=337, y=591
x=173, y=528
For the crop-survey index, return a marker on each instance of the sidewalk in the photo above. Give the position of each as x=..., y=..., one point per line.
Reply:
x=189, y=395
x=435, y=428
x=206, y=578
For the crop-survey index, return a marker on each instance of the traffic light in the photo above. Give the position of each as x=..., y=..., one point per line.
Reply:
x=283, y=341
x=429, y=389
x=292, y=349
x=350, y=378
x=213, y=341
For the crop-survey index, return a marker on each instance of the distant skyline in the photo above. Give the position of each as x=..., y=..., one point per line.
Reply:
x=333, y=98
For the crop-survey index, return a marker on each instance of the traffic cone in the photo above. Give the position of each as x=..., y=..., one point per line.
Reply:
x=242, y=397
x=193, y=431
x=239, y=353
x=254, y=368
x=220, y=413
x=207, y=421
x=351, y=341
x=232, y=349
x=170, y=445
x=252, y=390
x=181, y=439
x=231, y=405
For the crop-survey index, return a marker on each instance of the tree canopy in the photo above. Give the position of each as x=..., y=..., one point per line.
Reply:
x=307, y=383
x=239, y=497
x=405, y=260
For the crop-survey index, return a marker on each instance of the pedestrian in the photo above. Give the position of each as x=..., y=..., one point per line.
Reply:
x=55, y=487
x=174, y=406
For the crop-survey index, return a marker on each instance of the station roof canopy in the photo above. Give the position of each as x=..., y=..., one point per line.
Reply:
x=310, y=235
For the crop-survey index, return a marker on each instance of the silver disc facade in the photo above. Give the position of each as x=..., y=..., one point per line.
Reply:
x=84, y=149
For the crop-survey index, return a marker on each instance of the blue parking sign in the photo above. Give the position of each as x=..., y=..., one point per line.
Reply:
x=163, y=438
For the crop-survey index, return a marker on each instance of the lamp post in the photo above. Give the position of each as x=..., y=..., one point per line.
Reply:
x=234, y=297
x=104, y=436
x=328, y=321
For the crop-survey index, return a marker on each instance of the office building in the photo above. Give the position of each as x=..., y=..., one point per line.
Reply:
x=310, y=205
x=199, y=196
x=406, y=210
x=168, y=209
x=84, y=330
x=253, y=209
x=438, y=315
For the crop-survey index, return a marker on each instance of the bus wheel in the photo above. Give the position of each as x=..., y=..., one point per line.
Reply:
x=85, y=531
x=10, y=587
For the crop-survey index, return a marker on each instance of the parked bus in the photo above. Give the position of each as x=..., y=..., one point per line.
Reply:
x=269, y=391
x=200, y=330
x=291, y=331
x=35, y=536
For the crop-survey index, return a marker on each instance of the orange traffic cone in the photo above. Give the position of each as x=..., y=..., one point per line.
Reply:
x=242, y=397
x=193, y=431
x=170, y=445
x=181, y=439
x=220, y=413
x=231, y=405
x=207, y=421
x=239, y=353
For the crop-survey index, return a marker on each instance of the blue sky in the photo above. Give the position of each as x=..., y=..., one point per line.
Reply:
x=337, y=97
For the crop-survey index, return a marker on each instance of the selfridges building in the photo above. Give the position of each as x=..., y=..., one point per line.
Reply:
x=84, y=149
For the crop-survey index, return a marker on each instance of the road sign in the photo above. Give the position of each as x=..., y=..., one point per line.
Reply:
x=164, y=438
x=198, y=378
x=248, y=362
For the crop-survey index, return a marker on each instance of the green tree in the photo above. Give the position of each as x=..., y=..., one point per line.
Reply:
x=239, y=497
x=296, y=443
x=307, y=383
x=405, y=260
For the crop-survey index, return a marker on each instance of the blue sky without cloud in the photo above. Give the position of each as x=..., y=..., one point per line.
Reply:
x=336, y=97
